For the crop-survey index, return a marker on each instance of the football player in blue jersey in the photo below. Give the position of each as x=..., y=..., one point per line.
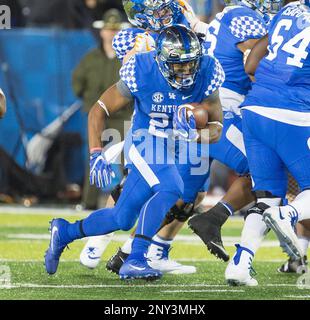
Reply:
x=276, y=127
x=240, y=36
x=230, y=35
x=157, y=82
x=142, y=14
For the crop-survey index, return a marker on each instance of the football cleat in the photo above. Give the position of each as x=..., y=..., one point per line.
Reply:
x=299, y=266
x=57, y=228
x=210, y=233
x=93, y=250
x=138, y=269
x=282, y=221
x=239, y=271
x=158, y=258
x=116, y=261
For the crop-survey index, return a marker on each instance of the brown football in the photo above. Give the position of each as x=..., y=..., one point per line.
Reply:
x=200, y=114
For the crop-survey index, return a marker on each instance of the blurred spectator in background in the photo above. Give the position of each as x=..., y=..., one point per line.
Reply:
x=2, y=104
x=72, y=14
x=97, y=71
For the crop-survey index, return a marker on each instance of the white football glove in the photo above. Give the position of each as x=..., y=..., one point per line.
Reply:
x=144, y=42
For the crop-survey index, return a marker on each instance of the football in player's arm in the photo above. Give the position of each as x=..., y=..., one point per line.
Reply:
x=117, y=97
x=2, y=104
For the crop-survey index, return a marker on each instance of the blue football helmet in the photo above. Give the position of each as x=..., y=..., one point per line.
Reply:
x=152, y=14
x=178, y=56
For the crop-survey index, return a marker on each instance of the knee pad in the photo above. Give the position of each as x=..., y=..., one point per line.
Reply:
x=181, y=214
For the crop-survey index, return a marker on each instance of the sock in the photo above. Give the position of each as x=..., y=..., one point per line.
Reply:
x=139, y=248
x=98, y=223
x=127, y=246
x=229, y=209
x=159, y=240
x=253, y=232
x=219, y=213
x=302, y=205
x=255, y=229
x=154, y=211
x=150, y=219
x=74, y=230
x=304, y=243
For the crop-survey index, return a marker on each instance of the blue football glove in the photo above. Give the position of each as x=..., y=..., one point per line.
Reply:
x=101, y=173
x=184, y=124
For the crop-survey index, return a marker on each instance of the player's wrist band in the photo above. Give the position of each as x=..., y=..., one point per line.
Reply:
x=218, y=123
x=92, y=150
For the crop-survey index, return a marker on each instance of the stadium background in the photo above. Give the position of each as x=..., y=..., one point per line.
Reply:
x=37, y=59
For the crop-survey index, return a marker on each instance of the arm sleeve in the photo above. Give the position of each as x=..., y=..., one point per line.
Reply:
x=246, y=27
x=128, y=75
x=217, y=79
x=124, y=90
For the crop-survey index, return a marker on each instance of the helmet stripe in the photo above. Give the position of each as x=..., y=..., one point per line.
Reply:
x=185, y=39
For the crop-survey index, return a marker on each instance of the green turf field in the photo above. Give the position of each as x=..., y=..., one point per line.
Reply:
x=24, y=239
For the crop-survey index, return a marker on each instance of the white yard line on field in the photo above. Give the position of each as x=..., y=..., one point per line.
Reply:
x=44, y=211
x=298, y=297
x=197, y=291
x=132, y=284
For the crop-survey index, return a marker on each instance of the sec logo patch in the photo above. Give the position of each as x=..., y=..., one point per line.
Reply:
x=158, y=97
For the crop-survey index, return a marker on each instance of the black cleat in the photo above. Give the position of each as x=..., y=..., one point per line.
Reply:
x=299, y=266
x=209, y=232
x=116, y=261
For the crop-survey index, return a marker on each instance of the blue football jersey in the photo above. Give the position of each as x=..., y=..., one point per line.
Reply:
x=155, y=101
x=125, y=39
x=283, y=76
x=233, y=25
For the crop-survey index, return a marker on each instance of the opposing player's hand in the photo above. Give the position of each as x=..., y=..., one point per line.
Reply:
x=184, y=124
x=144, y=42
x=101, y=172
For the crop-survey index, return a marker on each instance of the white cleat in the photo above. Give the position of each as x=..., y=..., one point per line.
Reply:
x=282, y=221
x=239, y=270
x=93, y=250
x=158, y=258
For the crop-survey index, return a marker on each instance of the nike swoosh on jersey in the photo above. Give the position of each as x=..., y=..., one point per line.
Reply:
x=184, y=98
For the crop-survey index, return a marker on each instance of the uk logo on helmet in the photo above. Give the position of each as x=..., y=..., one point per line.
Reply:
x=158, y=97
